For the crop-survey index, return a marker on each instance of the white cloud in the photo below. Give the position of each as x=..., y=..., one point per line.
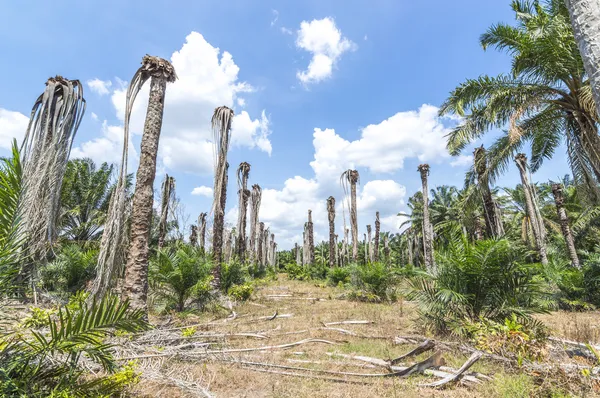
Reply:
x=241, y=102
x=462, y=160
x=107, y=148
x=94, y=117
x=207, y=78
x=324, y=40
x=286, y=31
x=100, y=87
x=381, y=148
x=275, y=17
x=203, y=191
x=12, y=125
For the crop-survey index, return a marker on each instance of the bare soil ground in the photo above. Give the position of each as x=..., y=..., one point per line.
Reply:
x=303, y=309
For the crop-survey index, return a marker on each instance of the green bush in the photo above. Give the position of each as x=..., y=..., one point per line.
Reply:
x=70, y=270
x=308, y=272
x=179, y=275
x=231, y=275
x=241, y=292
x=338, y=275
x=375, y=280
x=484, y=280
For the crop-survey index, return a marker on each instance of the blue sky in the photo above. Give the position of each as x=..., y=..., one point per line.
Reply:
x=317, y=86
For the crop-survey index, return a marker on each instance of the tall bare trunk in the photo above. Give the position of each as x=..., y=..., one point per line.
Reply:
x=265, y=247
x=366, y=250
x=310, y=239
x=255, y=198
x=202, y=224
x=194, y=236
x=351, y=178
x=272, y=251
x=409, y=247
x=218, y=230
x=336, y=252
x=585, y=18
x=386, y=249
x=563, y=220
x=427, y=228
x=377, y=230
x=493, y=222
x=369, y=244
x=136, y=272
x=259, y=249
x=332, y=239
x=537, y=225
x=230, y=237
x=298, y=255
x=168, y=189
x=243, y=173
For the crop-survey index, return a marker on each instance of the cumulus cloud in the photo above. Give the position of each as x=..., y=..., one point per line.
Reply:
x=12, y=125
x=462, y=160
x=325, y=42
x=207, y=78
x=381, y=149
x=107, y=148
x=203, y=191
x=100, y=87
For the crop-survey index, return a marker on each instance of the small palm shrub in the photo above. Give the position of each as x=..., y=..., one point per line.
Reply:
x=49, y=361
x=179, y=275
x=241, y=292
x=70, y=270
x=372, y=282
x=483, y=280
x=338, y=275
x=232, y=274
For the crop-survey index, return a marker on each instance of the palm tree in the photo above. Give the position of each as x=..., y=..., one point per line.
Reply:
x=310, y=238
x=427, y=229
x=259, y=246
x=559, y=199
x=168, y=194
x=194, y=236
x=136, y=273
x=221, y=126
x=533, y=211
x=546, y=100
x=351, y=177
x=298, y=254
x=255, y=197
x=85, y=198
x=54, y=121
x=493, y=221
x=369, y=248
x=332, y=236
x=243, y=173
x=202, y=224
x=585, y=18
x=377, y=229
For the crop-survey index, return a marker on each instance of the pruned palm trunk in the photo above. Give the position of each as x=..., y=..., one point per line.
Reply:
x=386, y=249
x=221, y=127
x=272, y=251
x=229, y=245
x=409, y=247
x=136, y=273
x=336, y=252
x=298, y=255
x=346, y=246
x=194, y=236
x=493, y=222
x=259, y=246
x=332, y=235
x=255, y=198
x=310, y=238
x=351, y=178
x=366, y=250
x=533, y=212
x=53, y=124
x=427, y=228
x=168, y=191
x=202, y=234
x=243, y=173
x=265, y=247
x=585, y=18
x=563, y=220
x=369, y=247
x=377, y=230
x=305, y=245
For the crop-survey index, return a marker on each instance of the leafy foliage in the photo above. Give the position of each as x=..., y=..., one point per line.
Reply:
x=70, y=270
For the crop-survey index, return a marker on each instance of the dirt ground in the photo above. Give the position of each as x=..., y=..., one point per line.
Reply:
x=303, y=309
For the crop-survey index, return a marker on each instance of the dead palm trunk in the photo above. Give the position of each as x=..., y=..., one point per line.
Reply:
x=369, y=244
x=310, y=238
x=386, y=249
x=53, y=124
x=563, y=220
x=136, y=273
x=194, y=236
x=493, y=223
x=377, y=230
x=272, y=251
x=243, y=173
x=409, y=247
x=255, y=197
x=365, y=248
x=265, y=247
x=427, y=229
x=332, y=239
x=305, y=245
x=229, y=245
x=337, y=252
x=259, y=248
x=585, y=18
x=346, y=247
x=298, y=255
x=202, y=224
x=352, y=178
x=537, y=225
x=221, y=127
x=168, y=191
